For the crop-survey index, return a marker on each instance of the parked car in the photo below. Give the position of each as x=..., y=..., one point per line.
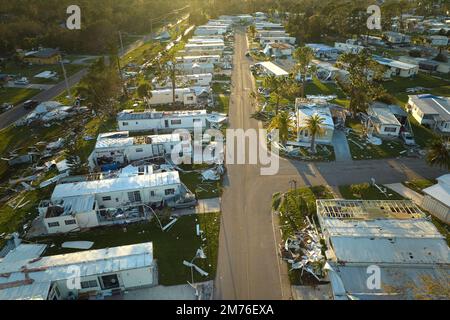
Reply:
x=5, y=107
x=30, y=104
x=407, y=138
x=22, y=81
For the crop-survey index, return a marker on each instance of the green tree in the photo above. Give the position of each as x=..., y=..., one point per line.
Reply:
x=438, y=154
x=75, y=163
x=100, y=86
x=284, y=124
x=252, y=31
x=167, y=69
x=314, y=125
x=276, y=88
x=361, y=90
x=303, y=56
x=144, y=90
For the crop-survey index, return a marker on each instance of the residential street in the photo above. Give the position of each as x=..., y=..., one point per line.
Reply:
x=248, y=266
x=18, y=111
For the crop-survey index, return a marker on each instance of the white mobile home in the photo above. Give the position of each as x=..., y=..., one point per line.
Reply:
x=323, y=52
x=269, y=26
x=269, y=68
x=103, y=272
x=120, y=148
x=383, y=120
x=348, y=48
x=397, y=68
x=278, y=50
x=431, y=110
x=128, y=120
x=266, y=40
x=197, y=80
x=195, y=67
x=206, y=41
x=438, y=41
x=214, y=59
x=207, y=30
x=437, y=199
x=397, y=38
x=271, y=33
x=108, y=198
x=307, y=109
x=204, y=47
x=185, y=96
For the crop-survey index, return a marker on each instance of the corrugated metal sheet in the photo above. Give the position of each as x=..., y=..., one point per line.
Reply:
x=391, y=250
x=396, y=282
x=93, y=262
x=115, y=185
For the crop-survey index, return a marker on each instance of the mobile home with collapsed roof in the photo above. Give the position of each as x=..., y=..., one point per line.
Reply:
x=120, y=148
x=108, y=198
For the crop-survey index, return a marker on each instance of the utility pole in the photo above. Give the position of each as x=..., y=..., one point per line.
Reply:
x=65, y=79
x=121, y=77
x=121, y=43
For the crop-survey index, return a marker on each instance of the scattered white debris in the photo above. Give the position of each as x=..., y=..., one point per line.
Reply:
x=198, y=269
x=83, y=245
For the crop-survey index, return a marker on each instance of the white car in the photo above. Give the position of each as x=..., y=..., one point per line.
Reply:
x=407, y=138
x=22, y=81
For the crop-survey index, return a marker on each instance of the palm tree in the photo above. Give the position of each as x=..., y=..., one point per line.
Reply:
x=283, y=123
x=275, y=86
x=252, y=31
x=438, y=154
x=167, y=68
x=314, y=126
x=303, y=56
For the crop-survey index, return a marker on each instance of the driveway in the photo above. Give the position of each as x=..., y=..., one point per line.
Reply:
x=406, y=192
x=341, y=148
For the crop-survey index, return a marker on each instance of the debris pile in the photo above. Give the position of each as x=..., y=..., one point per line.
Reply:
x=304, y=251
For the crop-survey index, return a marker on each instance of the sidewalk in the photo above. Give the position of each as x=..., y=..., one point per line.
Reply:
x=406, y=192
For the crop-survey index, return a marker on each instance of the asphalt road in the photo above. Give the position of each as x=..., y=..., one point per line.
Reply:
x=248, y=266
x=11, y=116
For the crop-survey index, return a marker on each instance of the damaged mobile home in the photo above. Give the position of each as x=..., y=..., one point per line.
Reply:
x=103, y=199
x=118, y=148
x=394, y=236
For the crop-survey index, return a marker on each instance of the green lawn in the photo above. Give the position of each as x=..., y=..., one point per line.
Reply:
x=170, y=248
x=419, y=184
x=16, y=95
x=361, y=150
x=324, y=153
x=367, y=192
x=223, y=102
x=203, y=190
x=317, y=87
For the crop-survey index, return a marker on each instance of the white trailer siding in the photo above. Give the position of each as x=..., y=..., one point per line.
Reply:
x=145, y=121
x=266, y=40
x=436, y=208
x=195, y=68
x=165, y=96
x=199, y=59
